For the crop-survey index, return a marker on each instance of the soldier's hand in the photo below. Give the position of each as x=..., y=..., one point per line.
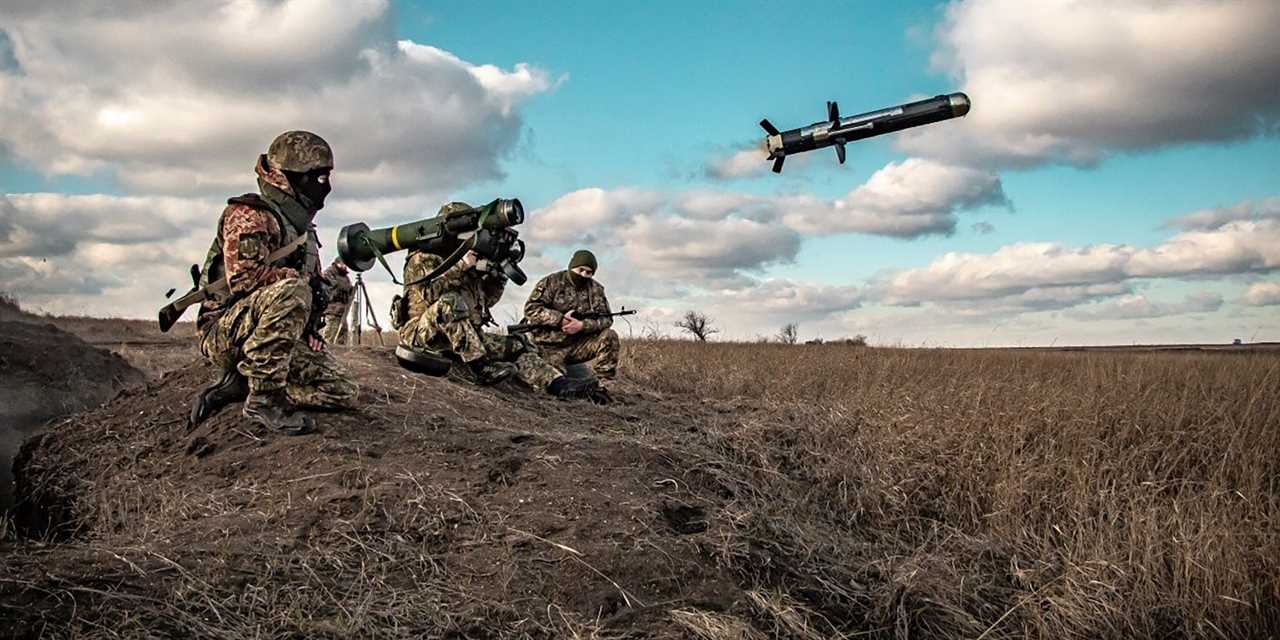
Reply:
x=315, y=343
x=570, y=324
x=469, y=261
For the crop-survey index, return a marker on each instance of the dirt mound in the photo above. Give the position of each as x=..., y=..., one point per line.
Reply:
x=46, y=373
x=438, y=509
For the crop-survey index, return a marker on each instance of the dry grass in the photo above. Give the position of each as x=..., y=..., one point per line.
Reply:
x=996, y=494
x=850, y=492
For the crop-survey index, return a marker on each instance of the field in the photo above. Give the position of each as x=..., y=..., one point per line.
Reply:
x=733, y=491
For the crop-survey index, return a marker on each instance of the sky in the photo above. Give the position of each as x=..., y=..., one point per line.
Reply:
x=1117, y=180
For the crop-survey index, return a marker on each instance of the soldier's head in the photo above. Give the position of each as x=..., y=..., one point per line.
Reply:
x=582, y=267
x=452, y=207
x=307, y=161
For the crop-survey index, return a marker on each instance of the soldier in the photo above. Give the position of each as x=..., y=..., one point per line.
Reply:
x=448, y=314
x=339, y=292
x=562, y=304
x=261, y=330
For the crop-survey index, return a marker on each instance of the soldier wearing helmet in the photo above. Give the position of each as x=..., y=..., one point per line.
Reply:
x=446, y=316
x=262, y=332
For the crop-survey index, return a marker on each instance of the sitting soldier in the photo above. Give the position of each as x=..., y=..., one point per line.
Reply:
x=573, y=318
x=447, y=315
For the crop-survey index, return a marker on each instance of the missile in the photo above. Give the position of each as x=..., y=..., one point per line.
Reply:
x=835, y=131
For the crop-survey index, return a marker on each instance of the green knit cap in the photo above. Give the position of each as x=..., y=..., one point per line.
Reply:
x=583, y=258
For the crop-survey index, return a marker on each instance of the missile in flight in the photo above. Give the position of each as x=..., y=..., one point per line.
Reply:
x=835, y=131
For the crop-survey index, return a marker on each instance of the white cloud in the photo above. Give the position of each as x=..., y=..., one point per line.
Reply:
x=1262, y=294
x=1011, y=270
x=181, y=98
x=698, y=228
x=905, y=199
x=1064, y=81
x=1247, y=245
x=1215, y=218
x=1134, y=307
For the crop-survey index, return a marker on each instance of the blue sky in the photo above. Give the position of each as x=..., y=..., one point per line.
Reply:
x=609, y=119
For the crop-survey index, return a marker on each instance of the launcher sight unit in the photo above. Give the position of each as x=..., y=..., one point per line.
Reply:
x=835, y=131
x=486, y=229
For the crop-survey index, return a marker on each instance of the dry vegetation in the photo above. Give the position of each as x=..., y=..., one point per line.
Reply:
x=999, y=494
x=735, y=491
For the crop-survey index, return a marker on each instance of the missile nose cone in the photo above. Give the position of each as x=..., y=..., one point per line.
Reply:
x=959, y=103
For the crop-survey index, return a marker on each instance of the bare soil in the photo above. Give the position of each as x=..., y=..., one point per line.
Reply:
x=46, y=373
x=438, y=509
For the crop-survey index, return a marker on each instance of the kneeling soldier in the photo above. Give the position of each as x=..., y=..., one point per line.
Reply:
x=573, y=317
x=262, y=330
x=447, y=315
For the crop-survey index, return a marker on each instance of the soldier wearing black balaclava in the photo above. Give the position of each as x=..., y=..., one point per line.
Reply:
x=573, y=311
x=262, y=330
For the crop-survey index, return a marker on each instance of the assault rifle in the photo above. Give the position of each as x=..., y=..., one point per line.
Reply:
x=525, y=327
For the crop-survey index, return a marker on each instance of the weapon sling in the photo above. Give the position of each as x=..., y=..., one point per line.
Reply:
x=170, y=313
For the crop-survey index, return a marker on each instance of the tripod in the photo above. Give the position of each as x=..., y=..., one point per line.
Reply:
x=360, y=305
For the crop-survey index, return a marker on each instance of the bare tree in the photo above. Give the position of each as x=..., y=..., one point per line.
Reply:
x=790, y=333
x=698, y=324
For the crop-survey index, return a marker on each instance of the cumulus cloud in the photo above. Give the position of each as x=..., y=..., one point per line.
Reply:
x=1073, y=81
x=42, y=225
x=179, y=98
x=905, y=199
x=1217, y=217
x=784, y=298
x=1135, y=307
x=982, y=228
x=717, y=234
x=1249, y=245
x=1262, y=294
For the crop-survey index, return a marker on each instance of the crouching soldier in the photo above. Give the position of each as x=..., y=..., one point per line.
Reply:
x=261, y=330
x=339, y=292
x=447, y=316
x=572, y=318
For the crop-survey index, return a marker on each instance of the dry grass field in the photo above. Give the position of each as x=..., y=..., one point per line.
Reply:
x=1082, y=495
x=734, y=491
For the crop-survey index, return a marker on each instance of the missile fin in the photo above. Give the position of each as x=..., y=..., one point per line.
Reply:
x=839, y=145
x=833, y=113
x=777, y=164
x=768, y=127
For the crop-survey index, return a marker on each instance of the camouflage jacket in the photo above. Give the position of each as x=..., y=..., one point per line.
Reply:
x=340, y=291
x=250, y=228
x=556, y=295
x=478, y=291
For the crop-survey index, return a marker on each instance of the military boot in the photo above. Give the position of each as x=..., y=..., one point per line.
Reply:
x=230, y=387
x=571, y=388
x=491, y=373
x=274, y=411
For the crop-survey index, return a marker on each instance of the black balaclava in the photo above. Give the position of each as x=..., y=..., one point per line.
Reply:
x=311, y=187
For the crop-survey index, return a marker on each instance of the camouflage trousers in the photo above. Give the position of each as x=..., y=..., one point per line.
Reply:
x=335, y=329
x=261, y=336
x=603, y=347
x=443, y=327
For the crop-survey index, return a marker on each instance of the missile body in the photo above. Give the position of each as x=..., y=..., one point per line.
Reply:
x=835, y=131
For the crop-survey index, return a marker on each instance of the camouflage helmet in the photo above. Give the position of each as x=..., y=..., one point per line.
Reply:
x=452, y=207
x=299, y=152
